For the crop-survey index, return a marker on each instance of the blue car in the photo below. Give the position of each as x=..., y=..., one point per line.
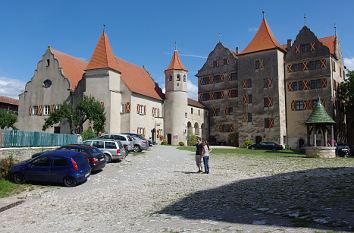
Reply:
x=59, y=166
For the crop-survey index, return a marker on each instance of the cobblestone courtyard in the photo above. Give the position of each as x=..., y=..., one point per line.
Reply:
x=160, y=191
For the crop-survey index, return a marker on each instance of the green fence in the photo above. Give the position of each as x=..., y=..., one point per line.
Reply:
x=16, y=138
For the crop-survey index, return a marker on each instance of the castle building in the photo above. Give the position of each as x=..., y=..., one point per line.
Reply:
x=132, y=100
x=267, y=91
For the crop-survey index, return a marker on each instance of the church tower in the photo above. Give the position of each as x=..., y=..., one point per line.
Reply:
x=175, y=105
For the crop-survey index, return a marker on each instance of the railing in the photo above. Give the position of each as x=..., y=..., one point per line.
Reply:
x=17, y=138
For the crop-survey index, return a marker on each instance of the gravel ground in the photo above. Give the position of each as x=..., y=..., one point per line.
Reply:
x=159, y=191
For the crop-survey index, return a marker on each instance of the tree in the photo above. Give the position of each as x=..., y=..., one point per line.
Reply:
x=7, y=118
x=88, y=109
x=346, y=92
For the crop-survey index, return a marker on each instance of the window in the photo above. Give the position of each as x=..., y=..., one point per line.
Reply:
x=217, y=79
x=268, y=123
x=48, y=63
x=314, y=65
x=268, y=102
x=98, y=144
x=204, y=96
x=225, y=61
x=185, y=115
x=140, y=131
x=226, y=128
x=249, y=117
x=35, y=110
x=119, y=138
x=297, y=86
x=170, y=78
x=110, y=145
x=122, y=108
x=305, y=48
x=47, y=83
x=41, y=162
x=46, y=110
x=191, y=110
x=249, y=83
x=229, y=110
x=257, y=64
x=299, y=105
x=198, y=112
x=250, y=99
x=215, y=63
x=333, y=66
x=141, y=109
x=233, y=76
x=184, y=78
x=315, y=84
x=204, y=80
x=216, y=111
x=178, y=77
x=218, y=95
x=60, y=162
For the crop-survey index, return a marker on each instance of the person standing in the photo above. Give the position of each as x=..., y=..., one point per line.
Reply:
x=206, y=153
x=198, y=154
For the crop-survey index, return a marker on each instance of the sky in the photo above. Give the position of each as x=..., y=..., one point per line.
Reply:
x=145, y=32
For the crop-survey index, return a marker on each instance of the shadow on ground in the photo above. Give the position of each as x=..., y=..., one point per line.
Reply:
x=320, y=198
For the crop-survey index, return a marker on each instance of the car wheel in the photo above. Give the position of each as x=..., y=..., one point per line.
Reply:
x=69, y=181
x=108, y=158
x=18, y=178
x=137, y=148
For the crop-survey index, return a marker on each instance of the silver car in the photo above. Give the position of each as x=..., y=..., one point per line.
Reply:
x=126, y=140
x=139, y=144
x=112, y=149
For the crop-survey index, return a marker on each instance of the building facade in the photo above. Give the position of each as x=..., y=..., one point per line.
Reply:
x=132, y=100
x=8, y=103
x=273, y=87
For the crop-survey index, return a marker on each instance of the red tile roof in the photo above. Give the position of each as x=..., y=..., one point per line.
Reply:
x=8, y=100
x=176, y=63
x=192, y=102
x=263, y=40
x=138, y=80
x=330, y=42
x=102, y=57
x=73, y=68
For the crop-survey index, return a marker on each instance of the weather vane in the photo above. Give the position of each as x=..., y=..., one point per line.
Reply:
x=104, y=27
x=219, y=35
x=305, y=19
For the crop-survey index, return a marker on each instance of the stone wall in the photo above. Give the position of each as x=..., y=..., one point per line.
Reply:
x=22, y=153
x=320, y=152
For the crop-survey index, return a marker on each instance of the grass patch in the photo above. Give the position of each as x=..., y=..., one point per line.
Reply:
x=245, y=151
x=7, y=188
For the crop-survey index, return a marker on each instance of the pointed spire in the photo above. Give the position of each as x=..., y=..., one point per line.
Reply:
x=319, y=115
x=102, y=57
x=305, y=19
x=335, y=30
x=176, y=63
x=263, y=40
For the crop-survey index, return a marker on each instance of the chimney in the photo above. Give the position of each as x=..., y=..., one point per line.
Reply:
x=237, y=50
x=288, y=43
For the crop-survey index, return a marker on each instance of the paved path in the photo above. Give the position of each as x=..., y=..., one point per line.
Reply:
x=159, y=191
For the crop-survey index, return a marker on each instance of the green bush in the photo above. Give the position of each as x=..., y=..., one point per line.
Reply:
x=192, y=140
x=248, y=142
x=5, y=166
x=181, y=143
x=233, y=139
x=164, y=142
x=88, y=134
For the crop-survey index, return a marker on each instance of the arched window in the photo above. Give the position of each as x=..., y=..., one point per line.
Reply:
x=178, y=77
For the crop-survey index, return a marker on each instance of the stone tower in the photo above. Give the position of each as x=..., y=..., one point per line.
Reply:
x=175, y=106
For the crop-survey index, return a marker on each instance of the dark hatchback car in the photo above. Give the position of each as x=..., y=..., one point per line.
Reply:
x=266, y=146
x=343, y=150
x=59, y=166
x=96, y=158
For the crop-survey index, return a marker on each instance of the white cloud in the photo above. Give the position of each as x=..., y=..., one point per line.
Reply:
x=192, y=90
x=349, y=63
x=11, y=87
x=253, y=29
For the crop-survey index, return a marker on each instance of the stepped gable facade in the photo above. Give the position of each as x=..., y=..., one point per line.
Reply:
x=274, y=88
x=132, y=100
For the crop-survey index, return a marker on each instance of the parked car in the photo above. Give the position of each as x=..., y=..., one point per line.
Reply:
x=96, y=158
x=126, y=140
x=266, y=146
x=113, y=150
x=58, y=166
x=140, y=143
x=343, y=150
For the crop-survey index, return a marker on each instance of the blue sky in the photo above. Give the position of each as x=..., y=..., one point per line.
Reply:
x=144, y=32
